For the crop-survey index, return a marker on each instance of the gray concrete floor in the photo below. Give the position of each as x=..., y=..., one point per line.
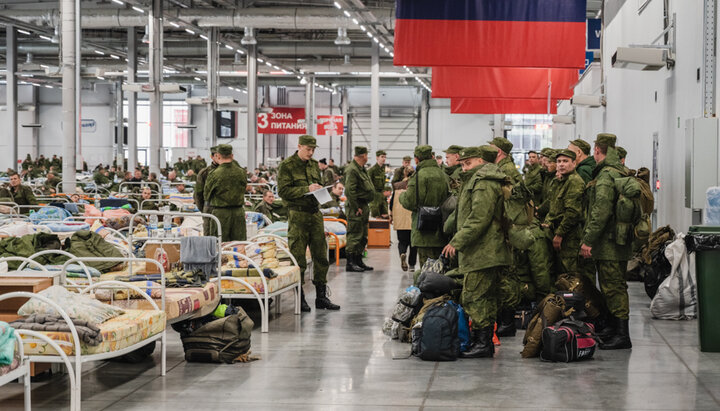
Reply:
x=341, y=360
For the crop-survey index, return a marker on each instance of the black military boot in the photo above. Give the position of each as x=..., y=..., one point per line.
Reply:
x=609, y=330
x=352, y=265
x=304, y=307
x=361, y=264
x=621, y=339
x=321, y=300
x=506, y=328
x=481, y=345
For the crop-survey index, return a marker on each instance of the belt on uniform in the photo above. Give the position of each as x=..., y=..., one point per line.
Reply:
x=310, y=210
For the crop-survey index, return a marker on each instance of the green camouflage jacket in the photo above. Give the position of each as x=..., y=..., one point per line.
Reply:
x=534, y=182
x=480, y=240
x=198, y=190
x=359, y=189
x=433, y=191
x=565, y=216
x=585, y=169
x=225, y=186
x=507, y=166
x=295, y=176
x=600, y=196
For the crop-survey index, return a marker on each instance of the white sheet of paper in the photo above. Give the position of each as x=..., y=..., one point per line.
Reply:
x=322, y=196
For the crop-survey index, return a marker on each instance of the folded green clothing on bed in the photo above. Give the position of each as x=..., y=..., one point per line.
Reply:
x=72, y=270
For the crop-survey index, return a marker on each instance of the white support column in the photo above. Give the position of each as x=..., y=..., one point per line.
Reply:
x=499, y=127
x=11, y=92
x=374, y=99
x=345, y=140
x=156, y=154
x=132, y=101
x=70, y=122
x=78, y=87
x=119, y=125
x=252, y=92
x=36, y=120
x=423, y=118
x=310, y=105
x=212, y=85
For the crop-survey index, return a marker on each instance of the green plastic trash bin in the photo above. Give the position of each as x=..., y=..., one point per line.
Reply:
x=706, y=242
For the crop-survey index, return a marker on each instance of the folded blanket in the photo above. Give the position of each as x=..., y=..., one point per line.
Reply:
x=73, y=270
x=199, y=253
x=7, y=344
x=89, y=333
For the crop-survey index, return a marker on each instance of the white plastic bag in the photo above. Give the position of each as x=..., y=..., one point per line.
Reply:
x=676, y=299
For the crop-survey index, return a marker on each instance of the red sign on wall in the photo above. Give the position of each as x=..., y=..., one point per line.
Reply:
x=282, y=120
x=329, y=125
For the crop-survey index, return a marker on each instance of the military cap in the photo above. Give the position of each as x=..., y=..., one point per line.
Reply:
x=551, y=154
x=567, y=153
x=454, y=149
x=606, y=140
x=407, y=158
x=488, y=153
x=306, y=140
x=423, y=152
x=360, y=150
x=622, y=153
x=224, y=149
x=322, y=161
x=546, y=152
x=502, y=143
x=583, y=145
x=380, y=153
x=469, y=152
x=213, y=150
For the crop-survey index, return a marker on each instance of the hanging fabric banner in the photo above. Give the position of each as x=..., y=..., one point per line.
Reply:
x=501, y=106
x=503, y=82
x=502, y=33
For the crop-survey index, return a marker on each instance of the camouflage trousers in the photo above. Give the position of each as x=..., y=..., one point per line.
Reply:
x=232, y=223
x=479, y=296
x=611, y=275
x=514, y=288
x=379, y=206
x=534, y=266
x=308, y=230
x=357, y=232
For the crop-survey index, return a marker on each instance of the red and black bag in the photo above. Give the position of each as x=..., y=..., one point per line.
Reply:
x=568, y=340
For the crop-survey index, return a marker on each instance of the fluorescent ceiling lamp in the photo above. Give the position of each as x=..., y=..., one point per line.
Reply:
x=172, y=23
x=27, y=33
x=204, y=37
x=640, y=58
x=337, y=5
x=118, y=2
x=138, y=9
x=189, y=31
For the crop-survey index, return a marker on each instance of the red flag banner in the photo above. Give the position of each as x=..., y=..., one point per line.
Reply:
x=282, y=120
x=491, y=33
x=329, y=126
x=501, y=106
x=503, y=82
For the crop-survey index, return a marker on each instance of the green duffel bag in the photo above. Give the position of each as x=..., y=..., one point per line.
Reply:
x=220, y=341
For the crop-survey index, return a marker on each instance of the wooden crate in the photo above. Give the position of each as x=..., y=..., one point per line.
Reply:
x=379, y=233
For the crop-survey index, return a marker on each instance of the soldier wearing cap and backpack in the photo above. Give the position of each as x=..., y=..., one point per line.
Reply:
x=480, y=244
x=504, y=159
x=602, y=240
x=378, y=207
x=359, y=191
x=299, y=175
x=429, y=187
x=224, y=194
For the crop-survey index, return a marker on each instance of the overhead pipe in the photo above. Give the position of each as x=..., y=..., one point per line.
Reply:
x=293, y=18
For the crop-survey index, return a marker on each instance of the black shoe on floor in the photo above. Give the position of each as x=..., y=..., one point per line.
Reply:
x=304, y=306
x=506, y=327
x=481, y=344
x=322, y=301
x=361, y=264
x=621, y=339
x=352, y=266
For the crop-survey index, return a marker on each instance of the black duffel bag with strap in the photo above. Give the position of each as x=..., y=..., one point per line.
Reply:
x=220, y=341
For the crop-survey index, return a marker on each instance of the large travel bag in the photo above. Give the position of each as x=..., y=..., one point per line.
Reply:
x=568, y=340
x=220, y=341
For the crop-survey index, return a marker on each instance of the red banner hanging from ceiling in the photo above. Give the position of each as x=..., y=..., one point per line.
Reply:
x=502, y=33
x=329, y=125
x=501, y=106
x=503, y=82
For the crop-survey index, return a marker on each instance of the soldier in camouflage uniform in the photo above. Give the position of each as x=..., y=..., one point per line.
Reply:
x=505, y=160
x=399, y=172
x=359, y=191
x=224, y=193
x=585, y=162
x=273, y=209
x=533, y=177
x=427, y=188
x=17, y=192
x=454, y=168
x=198, y=192
x=609, y=258
x=327, y=176
x=548, y=175
x=480, y=244
x=565, y=218
x=299, y=175
x=377, y=176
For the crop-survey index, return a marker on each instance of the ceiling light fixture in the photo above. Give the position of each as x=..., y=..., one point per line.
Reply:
x=189, y=31
x=172, y=23
x=138, y=9
x=342, y=37
x=27, y=33
x=118, y=2
x=337, y=5
x=146, y=37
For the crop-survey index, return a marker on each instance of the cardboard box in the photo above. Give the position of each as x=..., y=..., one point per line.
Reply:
x=172, y=250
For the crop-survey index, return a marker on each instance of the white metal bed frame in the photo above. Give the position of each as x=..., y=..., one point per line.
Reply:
x=263, y=299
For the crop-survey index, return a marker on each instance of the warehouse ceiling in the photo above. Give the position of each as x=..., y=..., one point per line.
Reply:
x=294, y=38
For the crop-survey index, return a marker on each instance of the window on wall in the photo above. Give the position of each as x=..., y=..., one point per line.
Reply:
x=174, y=114
x=529, y=132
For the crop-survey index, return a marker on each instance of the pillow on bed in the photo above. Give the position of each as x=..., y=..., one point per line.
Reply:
x=335, y=227
x=78, y=306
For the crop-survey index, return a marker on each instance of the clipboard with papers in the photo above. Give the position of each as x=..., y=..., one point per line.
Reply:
x=322, y=195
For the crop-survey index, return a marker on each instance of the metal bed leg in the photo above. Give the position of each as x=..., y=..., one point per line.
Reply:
x=26, y=381
x=163, y=352
x=266, y=315
x=78, y=386
x=298, y=292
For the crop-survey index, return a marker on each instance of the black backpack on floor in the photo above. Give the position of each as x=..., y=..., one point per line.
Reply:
x=436, y=337
x=220, y=341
